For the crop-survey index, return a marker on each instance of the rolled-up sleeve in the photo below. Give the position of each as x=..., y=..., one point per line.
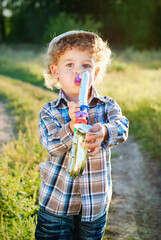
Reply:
x=117, y=125
x=56, y=138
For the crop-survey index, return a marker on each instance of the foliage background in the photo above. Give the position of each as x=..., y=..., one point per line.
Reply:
x=123, y=22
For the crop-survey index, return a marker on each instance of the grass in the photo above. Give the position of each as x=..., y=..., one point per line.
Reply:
x=21, y=64
x=144, y=59
x=19, y=163
x=138, y=92
x=133, y=81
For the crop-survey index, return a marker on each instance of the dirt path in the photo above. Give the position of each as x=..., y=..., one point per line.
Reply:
x=136, y=202
x=6, y=125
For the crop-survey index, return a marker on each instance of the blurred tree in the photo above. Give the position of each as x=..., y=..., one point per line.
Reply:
x=65, y=22
x=158, y=23
x=137, y=20
x=2, y=22
x=123, y=22
x=28, y=23
x=12, y=7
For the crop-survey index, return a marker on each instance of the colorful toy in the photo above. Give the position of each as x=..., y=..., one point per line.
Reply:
x=78, y=150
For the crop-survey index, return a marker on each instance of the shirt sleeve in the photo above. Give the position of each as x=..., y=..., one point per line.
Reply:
x=56, y=138
x=117, y=125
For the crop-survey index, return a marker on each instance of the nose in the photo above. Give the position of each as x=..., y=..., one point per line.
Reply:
x=78, y=70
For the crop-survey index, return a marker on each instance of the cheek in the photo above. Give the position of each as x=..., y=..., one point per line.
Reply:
x=64, y=73
x=91, y=77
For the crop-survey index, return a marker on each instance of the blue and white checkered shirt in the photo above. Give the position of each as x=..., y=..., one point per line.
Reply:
x=59, y=192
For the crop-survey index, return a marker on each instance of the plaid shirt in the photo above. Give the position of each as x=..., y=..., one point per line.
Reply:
x=59, y=192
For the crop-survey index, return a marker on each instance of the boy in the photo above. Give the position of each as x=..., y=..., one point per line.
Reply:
x=77, y=208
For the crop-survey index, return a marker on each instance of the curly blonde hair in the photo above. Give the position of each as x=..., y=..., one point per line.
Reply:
x=84, y=41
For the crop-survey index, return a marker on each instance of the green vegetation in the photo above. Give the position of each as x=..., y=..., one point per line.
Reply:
x=134, y=83
x=65, y=22
x=124, y=23
x=21, y=64
x=110, y=234
x=19, y=163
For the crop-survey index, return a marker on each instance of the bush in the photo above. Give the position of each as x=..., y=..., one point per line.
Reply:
x=66, y=22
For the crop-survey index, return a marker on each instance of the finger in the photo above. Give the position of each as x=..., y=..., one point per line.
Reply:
x=73, y=104
x=73, y=111
x=93, y=144
x=70, y=104
x=90, y=137
x=96, y=127
x=95, y=151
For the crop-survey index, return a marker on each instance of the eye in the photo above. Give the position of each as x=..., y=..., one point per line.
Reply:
x=86, y=65
x=69, y=65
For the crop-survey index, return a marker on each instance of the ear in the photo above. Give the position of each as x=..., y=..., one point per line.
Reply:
x=96, y=72
x=54, y=71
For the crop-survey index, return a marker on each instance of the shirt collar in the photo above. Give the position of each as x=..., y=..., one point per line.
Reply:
x=61, y=98
x=94, y=96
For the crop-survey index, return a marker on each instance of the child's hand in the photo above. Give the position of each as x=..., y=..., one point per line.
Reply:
x=73, y=108
x=93, y=141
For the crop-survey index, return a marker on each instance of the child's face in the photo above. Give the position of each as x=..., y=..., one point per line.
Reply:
x=70, y=64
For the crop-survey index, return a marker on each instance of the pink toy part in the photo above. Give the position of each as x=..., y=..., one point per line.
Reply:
x=78, y=79
x=81, y=114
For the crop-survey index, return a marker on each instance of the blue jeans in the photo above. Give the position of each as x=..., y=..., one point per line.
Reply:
x=53, y=227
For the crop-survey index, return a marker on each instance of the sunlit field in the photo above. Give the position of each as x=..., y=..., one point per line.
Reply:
x=133, y=80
